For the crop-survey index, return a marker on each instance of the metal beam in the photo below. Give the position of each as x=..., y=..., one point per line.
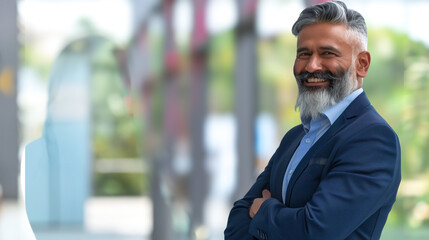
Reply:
x=8, y=118
x=198, y=108
x=246, y=94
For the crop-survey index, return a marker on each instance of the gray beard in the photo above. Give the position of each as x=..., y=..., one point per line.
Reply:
x=313, y=101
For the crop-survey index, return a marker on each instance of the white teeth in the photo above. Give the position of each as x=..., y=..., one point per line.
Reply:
x=315, y=80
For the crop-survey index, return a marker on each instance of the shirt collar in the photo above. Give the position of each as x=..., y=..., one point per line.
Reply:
x=333, y=112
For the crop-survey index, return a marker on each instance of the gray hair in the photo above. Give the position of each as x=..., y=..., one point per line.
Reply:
x=333, y=12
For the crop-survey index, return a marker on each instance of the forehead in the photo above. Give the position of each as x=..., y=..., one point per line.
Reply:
x=325, y=34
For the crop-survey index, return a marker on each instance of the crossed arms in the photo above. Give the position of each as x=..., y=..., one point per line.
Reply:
x=360, y=184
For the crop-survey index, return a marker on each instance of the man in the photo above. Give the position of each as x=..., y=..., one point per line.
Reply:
x=336, y=175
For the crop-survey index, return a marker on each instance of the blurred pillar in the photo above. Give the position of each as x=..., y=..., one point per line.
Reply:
x=246, y=94
x=198, y=85
x=8, y=105
x=159, y=136
x=163, y=181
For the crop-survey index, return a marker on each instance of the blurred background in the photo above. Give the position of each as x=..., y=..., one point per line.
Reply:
x=128, y=119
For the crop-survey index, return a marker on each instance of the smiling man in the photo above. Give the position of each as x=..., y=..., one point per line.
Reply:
x=336, y=175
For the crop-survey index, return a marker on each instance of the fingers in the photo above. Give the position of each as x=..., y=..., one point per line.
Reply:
x=252, y=212
x=255, y=207
x=266, y=193
x=257, y=202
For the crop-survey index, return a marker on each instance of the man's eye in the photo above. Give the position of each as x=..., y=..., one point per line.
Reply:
x=328, y=53
x=303, y=54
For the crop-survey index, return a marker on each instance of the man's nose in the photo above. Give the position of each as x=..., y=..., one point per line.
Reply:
x=314, y=64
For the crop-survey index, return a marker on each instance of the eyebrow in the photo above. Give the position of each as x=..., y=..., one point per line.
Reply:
x=328, y=48
x=302, y=49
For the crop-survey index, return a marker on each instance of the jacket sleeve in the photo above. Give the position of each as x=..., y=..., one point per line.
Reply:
x=239, y=219
x=363, y=176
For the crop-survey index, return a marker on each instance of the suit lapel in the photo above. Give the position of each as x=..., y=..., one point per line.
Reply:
x=357, y=107
x=284, y=160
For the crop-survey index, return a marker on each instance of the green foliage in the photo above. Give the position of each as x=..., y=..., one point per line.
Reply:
x=221, y=72
x=120, y=184
x=156, y=54
x=116, y=134
x=277, y=86
x=388, y=50
x=397, y=85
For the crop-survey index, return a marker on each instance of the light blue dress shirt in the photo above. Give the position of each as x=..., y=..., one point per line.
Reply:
x=314, y=130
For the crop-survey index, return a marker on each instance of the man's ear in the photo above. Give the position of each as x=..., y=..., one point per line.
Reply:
x=363, y=61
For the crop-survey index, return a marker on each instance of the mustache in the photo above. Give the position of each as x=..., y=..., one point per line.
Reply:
x=325, y=75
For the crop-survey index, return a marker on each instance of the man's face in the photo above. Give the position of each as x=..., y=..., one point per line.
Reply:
x=324, y=67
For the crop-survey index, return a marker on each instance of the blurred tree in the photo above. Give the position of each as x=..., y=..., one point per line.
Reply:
x=221, y=73
x=116, y=134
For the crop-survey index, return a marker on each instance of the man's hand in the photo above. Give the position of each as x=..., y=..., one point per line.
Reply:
x=257, y=202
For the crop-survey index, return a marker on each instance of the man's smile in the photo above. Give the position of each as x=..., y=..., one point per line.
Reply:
x=316, y=82
x=319, y=79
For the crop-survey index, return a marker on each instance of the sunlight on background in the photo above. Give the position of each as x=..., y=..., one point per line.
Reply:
x=125, y=124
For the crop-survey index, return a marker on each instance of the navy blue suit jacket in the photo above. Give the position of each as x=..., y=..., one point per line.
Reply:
x=343, y=188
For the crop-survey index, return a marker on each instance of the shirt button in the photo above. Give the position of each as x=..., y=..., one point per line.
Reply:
x=307, y=140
